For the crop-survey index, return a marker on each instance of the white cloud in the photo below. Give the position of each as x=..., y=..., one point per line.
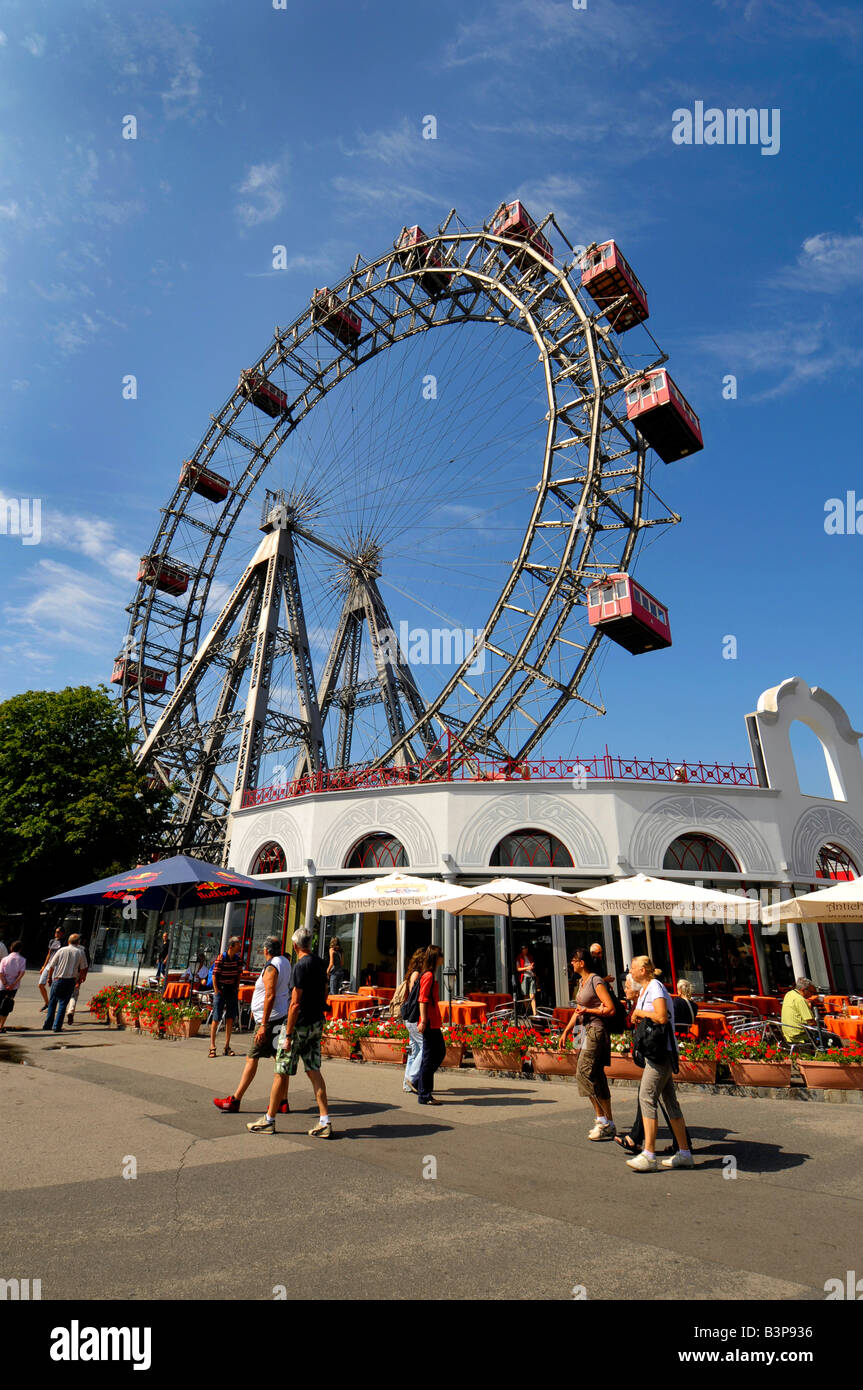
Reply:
x=392, y=195
x=512, y=31
x=67, y=608
x=35, y=44
x=71, y=334
x=3, y=39
x=262, y=185
x=20, y=384
x=10, y=212
x=93, y=537
x=397, y=146
x=794, y=353
x=827, y=263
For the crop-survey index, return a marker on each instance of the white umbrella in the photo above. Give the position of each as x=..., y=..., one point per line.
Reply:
x=644, y=896
x=842, y=902
x=517, y=899
x=399, y=891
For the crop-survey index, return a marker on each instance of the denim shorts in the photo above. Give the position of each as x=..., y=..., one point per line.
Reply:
x=225, y=1005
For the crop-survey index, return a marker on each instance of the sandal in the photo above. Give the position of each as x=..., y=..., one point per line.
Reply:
x=212, y=1052
x=625, y=1142
x=229, y=1052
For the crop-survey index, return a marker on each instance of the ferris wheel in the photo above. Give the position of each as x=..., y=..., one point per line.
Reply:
x=386, y=536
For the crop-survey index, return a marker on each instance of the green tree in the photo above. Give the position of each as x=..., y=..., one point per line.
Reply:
x=73, y=805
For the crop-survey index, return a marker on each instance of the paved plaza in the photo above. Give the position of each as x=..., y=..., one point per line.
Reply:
x=522, y=1205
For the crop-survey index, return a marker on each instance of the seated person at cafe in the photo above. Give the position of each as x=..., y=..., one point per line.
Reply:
x=797, y=1011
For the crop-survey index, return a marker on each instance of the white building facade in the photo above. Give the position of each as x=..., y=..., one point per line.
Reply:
x=574, y=826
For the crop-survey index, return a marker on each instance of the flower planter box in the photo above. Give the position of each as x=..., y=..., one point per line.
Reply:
x=834, y=1076
x=623, y=1069
x=125, y=1020
x=486, y=1059
x=336, y=1047
x=454, y=1055
x=696, y=1073
x=382, y=1050
x=188, y=1027
x=554, y=1063
x=761, y=1073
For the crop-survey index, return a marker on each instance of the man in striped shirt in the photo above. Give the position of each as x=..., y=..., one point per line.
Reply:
x=227, y=969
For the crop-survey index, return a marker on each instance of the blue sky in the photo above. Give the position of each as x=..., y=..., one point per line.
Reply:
x=303, y=127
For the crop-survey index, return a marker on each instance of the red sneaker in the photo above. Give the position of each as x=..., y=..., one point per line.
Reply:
x=229, y=1103
x=284, y=1108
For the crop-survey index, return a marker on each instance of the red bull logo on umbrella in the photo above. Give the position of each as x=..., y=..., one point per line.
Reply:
x=216, y=890
x=131, y=879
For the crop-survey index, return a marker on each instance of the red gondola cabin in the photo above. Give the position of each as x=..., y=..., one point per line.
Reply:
x=125, y=672
x=664, y=416
x=606, y=275
x=628, y=614
x=421, y=260
x=263, y=393
x=330, y=314
x=163, y=573
x=514, y=221
x=202, y=480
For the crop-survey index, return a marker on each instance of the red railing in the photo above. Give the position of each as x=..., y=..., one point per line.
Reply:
x=580, y=771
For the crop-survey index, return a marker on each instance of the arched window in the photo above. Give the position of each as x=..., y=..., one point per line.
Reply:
x=531, y=849
x=699, y=854
x=270, y=860
x=835, y=862
x=377, y=852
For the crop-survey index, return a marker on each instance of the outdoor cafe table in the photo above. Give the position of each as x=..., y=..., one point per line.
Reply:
x=244, y=993
x=834, y=1003
x=342, y=1005
x=563, y=1015
x=766, y=1004
x=177, y=990
x=709, y=1024
x=491, y=1001
x=846, y=1027
x=464, y=1011
x=377, y=991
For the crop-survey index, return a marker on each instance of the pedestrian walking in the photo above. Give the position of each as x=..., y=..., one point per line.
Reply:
x=655, y=1005
x=633, y=1142
x=335, y=970
x=410, y=1013
x=227, y=969
x=67, y=968
x=12, y=968
x=270, y=1003
x=73, y=1002
x=430, y=1026
x=53, y=945
x=300, y=1038
x=526, y=968
x=163, y=955
x=594, y=1009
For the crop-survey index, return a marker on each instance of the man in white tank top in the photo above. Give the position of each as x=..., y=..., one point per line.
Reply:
x=270, y=1003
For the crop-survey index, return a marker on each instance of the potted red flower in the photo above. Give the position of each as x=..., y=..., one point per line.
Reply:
x=834, y=1070
x=699, y=1058
x=622, y=1067
x=384, y=1040
x=497, y=1047
x=339, y=1038
x=754, y=1061
x=455, y=1046
x=547, y=1056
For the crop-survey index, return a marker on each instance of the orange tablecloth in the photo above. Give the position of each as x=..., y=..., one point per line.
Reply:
x=341, y=1005
x=710, y=1024
x=177, y=991
x=766, y=1004
x=563, y=1015
x=835, y=1003
x=845, y=1027
x=244, y=993
x=463, y=1011
x=376, y=991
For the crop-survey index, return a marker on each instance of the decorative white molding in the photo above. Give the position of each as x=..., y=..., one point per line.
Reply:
x=676, y=815
x=822, y=825
x=375, y=816
x=556, y=815
x=257, y=831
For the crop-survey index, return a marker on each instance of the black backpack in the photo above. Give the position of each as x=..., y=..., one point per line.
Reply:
x=618, y=1020
x=411, y=1007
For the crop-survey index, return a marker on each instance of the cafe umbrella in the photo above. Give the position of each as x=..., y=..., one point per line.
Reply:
x=168, y=885
x=842, y=902
x=532, y=901
x=645, y=896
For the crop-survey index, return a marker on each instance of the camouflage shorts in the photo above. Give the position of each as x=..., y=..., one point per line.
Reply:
x=305, y=1045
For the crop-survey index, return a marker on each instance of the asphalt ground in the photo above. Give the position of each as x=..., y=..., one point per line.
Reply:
x=497, y=1194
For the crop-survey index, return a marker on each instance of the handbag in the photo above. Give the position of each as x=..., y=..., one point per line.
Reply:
x=650, y=1042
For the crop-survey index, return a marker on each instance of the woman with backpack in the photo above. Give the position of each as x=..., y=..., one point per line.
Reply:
x=410, y=1012
x=596, y=1009
x=655, y=1007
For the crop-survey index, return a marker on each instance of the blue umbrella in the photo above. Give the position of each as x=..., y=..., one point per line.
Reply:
x=173, y=883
